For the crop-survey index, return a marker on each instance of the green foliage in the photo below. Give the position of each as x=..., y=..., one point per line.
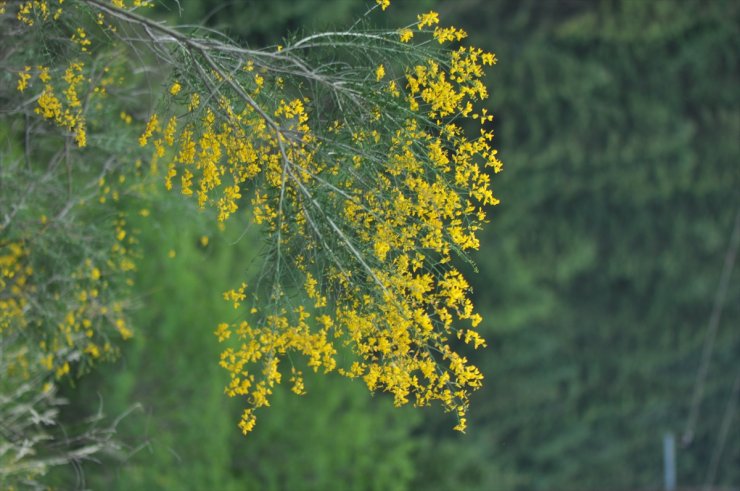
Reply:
x=327, y=440
x=266, y=23
x=75, y=93
x=618, y=122
x=185, y=421
x=65, y=250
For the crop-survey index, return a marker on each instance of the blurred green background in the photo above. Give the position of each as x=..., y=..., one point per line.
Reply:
x=618, y=122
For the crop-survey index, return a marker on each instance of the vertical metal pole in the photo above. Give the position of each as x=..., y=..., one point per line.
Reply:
x=669, y=462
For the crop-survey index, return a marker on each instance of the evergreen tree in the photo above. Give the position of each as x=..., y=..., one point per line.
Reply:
x=619, y=123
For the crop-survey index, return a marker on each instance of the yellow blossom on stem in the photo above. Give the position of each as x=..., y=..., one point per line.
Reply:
x=384, y=4
x=23, y=78
x=379, y=73
x=429, y=19
x=405, y=35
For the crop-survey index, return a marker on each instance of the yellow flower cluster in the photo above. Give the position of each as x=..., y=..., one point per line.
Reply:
x=237, y=295
x=66, y=260
x=175, y=88
x=23, y=78
x=65, y=109
x=67, y=93
x=14, y=279
x=441, y=34
x=80, y=38
x=364, y=205
x=81, y=307
x=220, y=156
x=123, y=4
x=32, y=11
x=367, y=218
x=429, y=19
x=379, y=73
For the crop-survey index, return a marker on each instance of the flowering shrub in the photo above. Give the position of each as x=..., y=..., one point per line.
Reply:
x=360, y=154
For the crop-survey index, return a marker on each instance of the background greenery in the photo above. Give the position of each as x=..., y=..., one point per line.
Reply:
x=618, y=122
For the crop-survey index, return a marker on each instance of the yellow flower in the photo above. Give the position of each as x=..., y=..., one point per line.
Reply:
x=236, y=295
x=151, y=126
x=175, y=88
x=488, y=59
x=194, y=102
x=429, y=19
x=443, y=34
x=379, y=73
x=123, y=330
x=44, y=74
x=23, y=78
x=384, y=4
x=222, y=332
x=406, y=35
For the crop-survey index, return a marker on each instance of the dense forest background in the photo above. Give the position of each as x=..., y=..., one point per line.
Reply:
x=618, y=124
